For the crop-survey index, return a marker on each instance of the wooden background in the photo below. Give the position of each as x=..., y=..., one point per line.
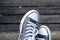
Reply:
x=11, y=12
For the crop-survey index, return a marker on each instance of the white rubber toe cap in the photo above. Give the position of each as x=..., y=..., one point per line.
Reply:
x=34, y=15
x=44, y=30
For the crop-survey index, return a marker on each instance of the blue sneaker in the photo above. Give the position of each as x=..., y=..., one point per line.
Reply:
x=28, y=25
x=43, y=33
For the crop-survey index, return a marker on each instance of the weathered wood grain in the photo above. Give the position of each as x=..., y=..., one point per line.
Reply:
x=43, y=19
x=9, y=28
x=50, y=19
x=9, y=2
x=10, y=19
x=29, y=2
x=23, y=10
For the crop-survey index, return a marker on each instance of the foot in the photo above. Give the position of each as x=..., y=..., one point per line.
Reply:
x=28, y=25
x=43, y=33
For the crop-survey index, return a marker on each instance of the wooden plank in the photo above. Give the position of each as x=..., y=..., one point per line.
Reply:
x=15, y=27
x=39, y=2
x=43, y=19
x=9, y=28
x=29, y=2
x=9, y=2
x=23, y=10
x=10, y=19
x=50, y=19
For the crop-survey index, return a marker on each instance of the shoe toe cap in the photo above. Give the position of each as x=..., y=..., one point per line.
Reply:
x=43, y=31
x=34, y=16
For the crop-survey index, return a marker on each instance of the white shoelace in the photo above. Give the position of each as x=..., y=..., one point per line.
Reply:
x=30, y=31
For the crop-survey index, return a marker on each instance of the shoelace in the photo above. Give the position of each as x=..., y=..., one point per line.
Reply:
x=30, y=31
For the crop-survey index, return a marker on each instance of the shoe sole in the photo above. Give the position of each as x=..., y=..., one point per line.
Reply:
x=23, y=19
x=48, y=30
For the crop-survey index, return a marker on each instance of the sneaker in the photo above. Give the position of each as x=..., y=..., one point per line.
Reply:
x=28, y=25
x=43, y=33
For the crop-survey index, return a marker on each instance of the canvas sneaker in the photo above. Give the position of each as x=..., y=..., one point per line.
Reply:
x=28, y=25
x=43, y=33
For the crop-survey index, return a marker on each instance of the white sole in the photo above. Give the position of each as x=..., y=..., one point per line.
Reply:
x=49, y=33
x=22, y=21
